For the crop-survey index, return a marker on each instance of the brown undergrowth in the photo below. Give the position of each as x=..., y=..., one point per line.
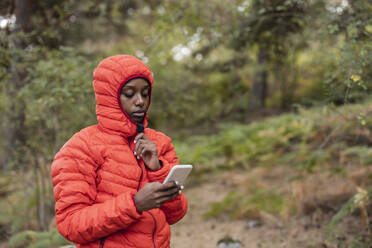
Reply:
x=304, y=179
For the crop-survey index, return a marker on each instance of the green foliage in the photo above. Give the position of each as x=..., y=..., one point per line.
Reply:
x=204, y=58
x=258, y=142
x=21, y=239
x=286, y=139
x=17, y=205
x=361, y=153
x=268, y=23
x=358, y=242
x=59, y=96
x=59, y=101
x=348, y=208
x=237, y=205
x=359, y=201
x=228, y=205
x=32, y=239
x=352, y=77
x=314, y=159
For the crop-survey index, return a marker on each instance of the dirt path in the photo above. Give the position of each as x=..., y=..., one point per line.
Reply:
x=296, y=232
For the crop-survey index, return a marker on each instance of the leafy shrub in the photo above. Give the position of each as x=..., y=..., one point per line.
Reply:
x=33, y=239
x=237, y=205
x=305, y=140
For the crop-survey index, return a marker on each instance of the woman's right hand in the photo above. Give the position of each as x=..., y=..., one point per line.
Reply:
x=155, y=194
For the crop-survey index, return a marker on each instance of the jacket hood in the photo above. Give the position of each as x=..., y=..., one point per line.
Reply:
x=109, y=77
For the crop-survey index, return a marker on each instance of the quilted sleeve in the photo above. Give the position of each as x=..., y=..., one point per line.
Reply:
x=78, y=218
x=175, y=209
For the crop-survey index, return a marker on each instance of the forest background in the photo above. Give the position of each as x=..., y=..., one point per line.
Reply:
x=239, y=85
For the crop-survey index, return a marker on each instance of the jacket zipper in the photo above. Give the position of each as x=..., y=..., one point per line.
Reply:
x=153, y=232
x=101, y=243
x=139, y=183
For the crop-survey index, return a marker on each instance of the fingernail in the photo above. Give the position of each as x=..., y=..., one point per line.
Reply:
x=137, y=157
x=135, y=153
x=179, y=192
x=182, y=187
x=135, y=141
x=176, y=182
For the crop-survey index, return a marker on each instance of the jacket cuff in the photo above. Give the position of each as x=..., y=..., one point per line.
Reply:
x=161, y=174
x=128, y=209
x=134, y=203
x=161, y=165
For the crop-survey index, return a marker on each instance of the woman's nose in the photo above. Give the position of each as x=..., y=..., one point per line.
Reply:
x=139, y=100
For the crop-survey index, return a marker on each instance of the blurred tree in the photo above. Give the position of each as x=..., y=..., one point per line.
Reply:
x=47, y=25
x=213, y=61
x=233, y=50
x=38, y=82
x=13, y=120
x=267, y=25
x=352, y=24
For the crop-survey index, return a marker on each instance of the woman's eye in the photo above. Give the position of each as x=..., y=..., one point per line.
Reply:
x=129, y=95
x=145, y=94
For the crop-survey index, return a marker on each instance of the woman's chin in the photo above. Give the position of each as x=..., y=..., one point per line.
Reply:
x=137, y=119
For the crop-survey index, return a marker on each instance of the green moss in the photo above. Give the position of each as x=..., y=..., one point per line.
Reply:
x=236, y=205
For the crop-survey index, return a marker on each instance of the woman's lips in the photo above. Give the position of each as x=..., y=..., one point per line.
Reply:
x=138, y=114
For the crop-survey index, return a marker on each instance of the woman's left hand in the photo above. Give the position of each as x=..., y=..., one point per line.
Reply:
x=147, y=151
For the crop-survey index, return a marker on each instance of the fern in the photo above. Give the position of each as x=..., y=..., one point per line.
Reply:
x=359, y=200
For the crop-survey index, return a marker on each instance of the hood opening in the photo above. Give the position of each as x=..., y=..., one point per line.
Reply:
x=109, y=77
x=139, y=128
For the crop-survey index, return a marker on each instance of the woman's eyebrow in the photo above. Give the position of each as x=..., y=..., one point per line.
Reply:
x=134, y=87
x=128, y=87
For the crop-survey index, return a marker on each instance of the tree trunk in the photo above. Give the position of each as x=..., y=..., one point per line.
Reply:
x=283, y=77
x=259, y=88
x=14, y=137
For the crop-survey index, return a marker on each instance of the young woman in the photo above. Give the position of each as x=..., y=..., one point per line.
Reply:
x=108, y=177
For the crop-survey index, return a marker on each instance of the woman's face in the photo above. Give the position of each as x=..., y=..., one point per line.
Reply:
x=135, y=97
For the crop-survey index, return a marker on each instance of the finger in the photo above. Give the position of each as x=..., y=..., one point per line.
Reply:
x=166, y=187
x=137, y=144
x=148, y=149
x=138, y=137
x=179, y=186
x=142, y=150
x=163, y=200
x=171, y=191
x=172, y=183
x=171, y=197
x=136, y=148
x=168, y=192
x=169, y=185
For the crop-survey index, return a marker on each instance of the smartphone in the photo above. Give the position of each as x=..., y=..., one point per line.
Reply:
x=178, y=173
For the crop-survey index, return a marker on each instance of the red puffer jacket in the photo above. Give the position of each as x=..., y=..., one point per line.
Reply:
x=95, y=174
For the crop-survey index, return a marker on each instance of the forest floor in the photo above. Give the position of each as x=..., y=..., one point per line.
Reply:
x=317, y=199
x=278, y=183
